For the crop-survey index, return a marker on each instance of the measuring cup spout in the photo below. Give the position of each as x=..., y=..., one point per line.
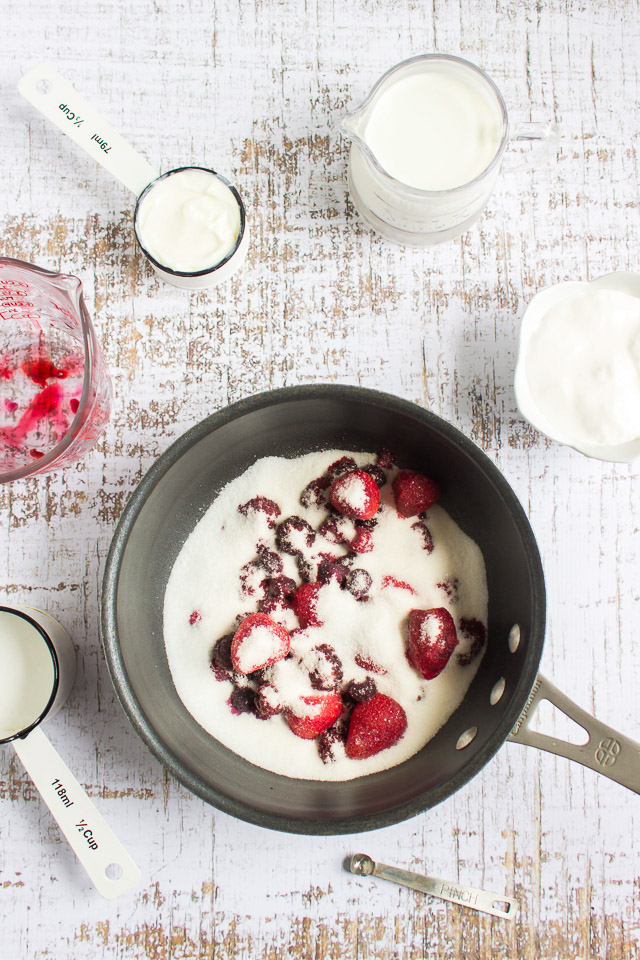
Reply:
x=351, y=126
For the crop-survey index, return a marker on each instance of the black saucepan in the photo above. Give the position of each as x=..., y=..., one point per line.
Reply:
x=174, y=495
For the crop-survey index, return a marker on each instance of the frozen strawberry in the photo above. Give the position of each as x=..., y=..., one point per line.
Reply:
x=355, y=494
x=304, y=602
x=258, y=642
x=432, y=640
x=414, y=493
x=314, y=714
x=362, y=542
x=261, y=505
x=376, y=724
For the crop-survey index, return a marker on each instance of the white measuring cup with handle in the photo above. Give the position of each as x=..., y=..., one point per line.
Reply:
x=37, y=670
x=58, y=101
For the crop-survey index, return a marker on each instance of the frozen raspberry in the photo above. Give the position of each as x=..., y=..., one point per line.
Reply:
x=385, y=460
x=376, y=474
x=257, y=643
x=425, y=533
x=267, y=702
x=358, y=583
x=389, y=581
x=329, y=738
x=355, y=494
x=362, y=691
x=314, y=714
x=369, y=665
x=294, y=534
x=325, y=667
x=304, y=602
x=252, y=579
x=221, y=662
x=362, y=542
x=376, y=724
x=432, y=640
x=269, y=560
x=261, y=505
x=343, y=465
x=279, y=588
x=315, y=493
x=194, y=618
x=414, y=493
x=337, y=529
x=242, y=701
x=474, y=631
x=330, y=570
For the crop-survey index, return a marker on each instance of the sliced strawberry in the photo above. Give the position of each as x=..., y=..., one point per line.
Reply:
x=355, y=494
x=414, y=493
x=317, y=712
x=258, y=642
x=304, y=602
x=376, y=724
x=432, y=640
x=389, y=581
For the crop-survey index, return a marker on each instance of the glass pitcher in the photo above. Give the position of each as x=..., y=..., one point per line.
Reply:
x=418, y=217
x=55, y=392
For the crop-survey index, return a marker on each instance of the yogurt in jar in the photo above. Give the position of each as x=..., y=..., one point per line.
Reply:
x=190, y=223
x=578, y=372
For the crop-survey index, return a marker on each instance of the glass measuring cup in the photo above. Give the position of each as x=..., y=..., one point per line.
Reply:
x=418, y=217
x=55, y=392
x=37, y=670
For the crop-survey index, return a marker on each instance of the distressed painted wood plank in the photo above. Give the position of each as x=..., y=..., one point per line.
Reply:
x=234, y=86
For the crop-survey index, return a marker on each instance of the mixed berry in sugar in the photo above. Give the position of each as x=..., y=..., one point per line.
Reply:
x=326, y=616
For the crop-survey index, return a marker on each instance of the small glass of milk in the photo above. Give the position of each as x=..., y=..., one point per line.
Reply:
x=191, y=225
x=427, y=147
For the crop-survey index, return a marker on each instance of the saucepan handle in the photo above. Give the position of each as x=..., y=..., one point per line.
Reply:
x=606, y=751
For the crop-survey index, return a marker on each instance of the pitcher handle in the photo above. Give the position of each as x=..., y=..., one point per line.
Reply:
x=544, y=134
x=606, y=751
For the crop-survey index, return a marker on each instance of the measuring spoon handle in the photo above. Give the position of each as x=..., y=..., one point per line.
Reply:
x=494, y=904
x=93, y=841
x=60, y=103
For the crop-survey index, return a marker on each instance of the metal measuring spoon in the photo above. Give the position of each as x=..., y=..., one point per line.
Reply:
x=493, y=903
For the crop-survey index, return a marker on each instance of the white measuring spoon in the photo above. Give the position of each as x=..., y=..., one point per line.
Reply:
x=37, y=669
x=59, y=102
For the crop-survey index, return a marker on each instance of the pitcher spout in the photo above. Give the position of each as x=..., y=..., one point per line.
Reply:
x=351, y=125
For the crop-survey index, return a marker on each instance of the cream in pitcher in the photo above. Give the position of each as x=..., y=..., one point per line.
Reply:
x=427, y=147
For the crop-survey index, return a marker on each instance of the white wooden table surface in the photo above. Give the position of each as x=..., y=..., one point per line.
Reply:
x=256, y=88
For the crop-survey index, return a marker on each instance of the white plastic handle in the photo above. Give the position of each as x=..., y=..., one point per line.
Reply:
x=57, y=100
x=107, y=863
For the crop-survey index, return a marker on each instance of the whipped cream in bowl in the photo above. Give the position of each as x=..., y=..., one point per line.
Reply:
x=577, y=376
x=191, y=225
